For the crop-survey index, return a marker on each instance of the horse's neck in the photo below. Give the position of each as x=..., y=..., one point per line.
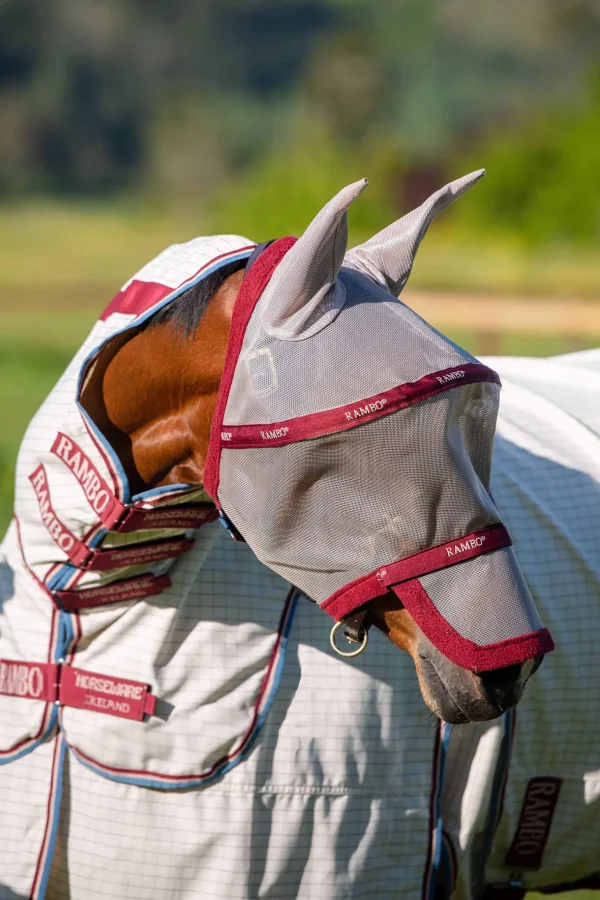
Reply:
x=154, y=396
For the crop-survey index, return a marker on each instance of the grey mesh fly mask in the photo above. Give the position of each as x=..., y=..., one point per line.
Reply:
x=352, y=443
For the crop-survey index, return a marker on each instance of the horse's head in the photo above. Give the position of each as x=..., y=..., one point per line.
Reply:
x=351, y=447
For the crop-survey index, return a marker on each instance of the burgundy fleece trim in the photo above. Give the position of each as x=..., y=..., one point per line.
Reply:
x=341, y=418
x=460, y=650
x=377, y=583
x=249, y=295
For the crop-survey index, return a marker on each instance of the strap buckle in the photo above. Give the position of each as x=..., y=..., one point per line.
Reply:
x=356, y=631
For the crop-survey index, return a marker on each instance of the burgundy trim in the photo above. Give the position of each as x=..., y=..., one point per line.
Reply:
x=139, y=296
x=249, y=295
x=115, y=592
x=136, y=298
x=377, y=583
x=460, y=650
x=116, y=478
x=341, y=418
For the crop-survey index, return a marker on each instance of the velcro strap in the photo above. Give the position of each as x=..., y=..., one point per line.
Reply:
x=133, y=555
x=116, y=592
x=77, y=688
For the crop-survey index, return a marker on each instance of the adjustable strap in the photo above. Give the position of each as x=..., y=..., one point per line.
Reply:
x=115, y=592
x=132, y=555
x=356, y=624
x=68, y=686
x=191, y=516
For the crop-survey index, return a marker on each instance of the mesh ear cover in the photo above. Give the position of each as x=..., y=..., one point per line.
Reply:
x=365, y=445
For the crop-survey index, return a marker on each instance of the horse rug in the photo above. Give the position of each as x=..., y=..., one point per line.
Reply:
x=522, y=794
x=142, y=654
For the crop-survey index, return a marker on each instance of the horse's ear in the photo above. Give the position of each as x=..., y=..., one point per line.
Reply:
x=389, y=255
x=303, y=295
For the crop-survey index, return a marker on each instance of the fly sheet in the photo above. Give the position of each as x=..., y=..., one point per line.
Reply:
x=152, y=741
x=522, y=793
x=352, y=443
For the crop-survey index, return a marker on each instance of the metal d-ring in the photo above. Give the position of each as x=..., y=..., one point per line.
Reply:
x=349, y=653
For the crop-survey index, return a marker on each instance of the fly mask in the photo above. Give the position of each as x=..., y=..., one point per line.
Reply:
x=352, y=443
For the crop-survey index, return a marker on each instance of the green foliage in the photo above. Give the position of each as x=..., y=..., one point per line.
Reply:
x=281, y=194
x=544, y=179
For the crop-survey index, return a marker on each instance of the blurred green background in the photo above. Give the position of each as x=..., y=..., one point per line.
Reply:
x=128, y=126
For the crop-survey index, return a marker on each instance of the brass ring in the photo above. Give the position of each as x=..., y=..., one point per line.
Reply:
x=350, y=653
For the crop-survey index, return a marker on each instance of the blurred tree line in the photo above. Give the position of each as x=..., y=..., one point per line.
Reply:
x=262, y=107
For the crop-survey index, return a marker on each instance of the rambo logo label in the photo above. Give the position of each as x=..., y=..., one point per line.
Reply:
x=366, y=410
x=274, y=434
x=94, y=486
x=471, y=544
x=21, y=680
x=450, y=376
x=535, y=821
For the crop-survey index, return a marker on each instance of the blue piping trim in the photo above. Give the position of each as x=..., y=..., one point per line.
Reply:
x=135, y=324
x=55, y=820
x=232, y=763
x=61, y=577
x=168, y=488
x=445, y=733
x=31, y=747
x=65, y=634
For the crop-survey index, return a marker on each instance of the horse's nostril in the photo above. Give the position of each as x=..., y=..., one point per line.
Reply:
x=502, y=685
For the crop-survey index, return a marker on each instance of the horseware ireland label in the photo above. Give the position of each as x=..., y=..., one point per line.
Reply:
x=101, y=560
x=537, y=812
x=68, y=686
x=167, y=517
x=103, y=693
x=117, y=592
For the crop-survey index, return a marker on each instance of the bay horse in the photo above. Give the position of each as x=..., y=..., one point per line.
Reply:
x=318, y=777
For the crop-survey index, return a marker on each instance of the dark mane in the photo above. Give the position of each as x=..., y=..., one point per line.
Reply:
x=187, y=310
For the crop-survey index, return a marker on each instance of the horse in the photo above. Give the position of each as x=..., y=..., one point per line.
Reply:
x=228, y=379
